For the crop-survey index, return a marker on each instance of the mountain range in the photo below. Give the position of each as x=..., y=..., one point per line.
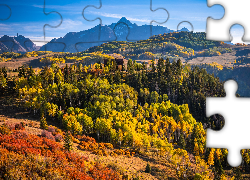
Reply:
x=123, y=30
x=18, y=44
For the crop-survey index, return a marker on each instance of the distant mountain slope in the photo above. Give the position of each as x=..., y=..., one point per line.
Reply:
x=123, y=30
x=169, y=45
x=18, y=44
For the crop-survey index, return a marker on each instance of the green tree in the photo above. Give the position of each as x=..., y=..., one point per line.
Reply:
x=148, y=168
x=43, y=123
x=153, y=65
x=130, y=66
x=68, y=144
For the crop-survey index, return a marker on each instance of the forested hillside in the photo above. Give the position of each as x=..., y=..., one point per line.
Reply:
x=239, y=74
x=136, y=111
x=170, y=45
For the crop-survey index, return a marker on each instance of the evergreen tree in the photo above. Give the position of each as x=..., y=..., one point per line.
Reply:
x=153, y=65
x=237, y=173
x=4, y=71
x=68, y=145
x=43, y=123
x=178, y=67
x=117, y=78
x=160, y=67
x=148, y=168
x=130, y=66
x=144, y=66
x=181, y=141
x=218, y=169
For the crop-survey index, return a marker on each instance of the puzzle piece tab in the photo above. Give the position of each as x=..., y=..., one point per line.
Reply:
x=5, y=12
x=236, y=12
x=235, y=134
x=48, y=13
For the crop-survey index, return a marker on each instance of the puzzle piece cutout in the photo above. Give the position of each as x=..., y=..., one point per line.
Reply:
x=236, y=12
x=235, y=110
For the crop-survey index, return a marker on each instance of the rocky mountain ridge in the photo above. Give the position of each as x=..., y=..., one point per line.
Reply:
x=18, y=44
x=123, y=30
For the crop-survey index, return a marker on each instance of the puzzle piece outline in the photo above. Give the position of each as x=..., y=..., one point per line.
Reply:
x=44, y=11
x=225, y=138
x=10, y=12
x=191, y=38
x=5, y=20
x=10, y=41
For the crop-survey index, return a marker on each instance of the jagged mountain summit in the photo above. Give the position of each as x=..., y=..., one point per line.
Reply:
x=18, y=44
x=183, y=29
x=123, y=30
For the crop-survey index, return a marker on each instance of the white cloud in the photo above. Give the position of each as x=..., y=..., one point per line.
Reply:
x=67, y=25
x=4, y=27
x=70, y=9
x=67, y=7
x=69, y=22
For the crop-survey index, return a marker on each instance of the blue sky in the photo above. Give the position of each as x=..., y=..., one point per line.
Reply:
x=28, y=19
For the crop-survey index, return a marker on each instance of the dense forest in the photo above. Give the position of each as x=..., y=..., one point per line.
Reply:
x=240, y=75
x=111, y=111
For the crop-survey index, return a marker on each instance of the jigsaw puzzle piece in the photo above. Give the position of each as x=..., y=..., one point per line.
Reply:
x=236, y=12
x=235, y=133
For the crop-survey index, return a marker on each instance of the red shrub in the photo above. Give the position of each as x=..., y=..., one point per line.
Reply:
x=51, y=129
x=19, y=153
x=58, y=137
x=86, y=138
x=19, y=126
x=48, y=135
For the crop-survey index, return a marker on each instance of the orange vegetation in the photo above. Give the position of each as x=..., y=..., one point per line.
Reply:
x=29, y=156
